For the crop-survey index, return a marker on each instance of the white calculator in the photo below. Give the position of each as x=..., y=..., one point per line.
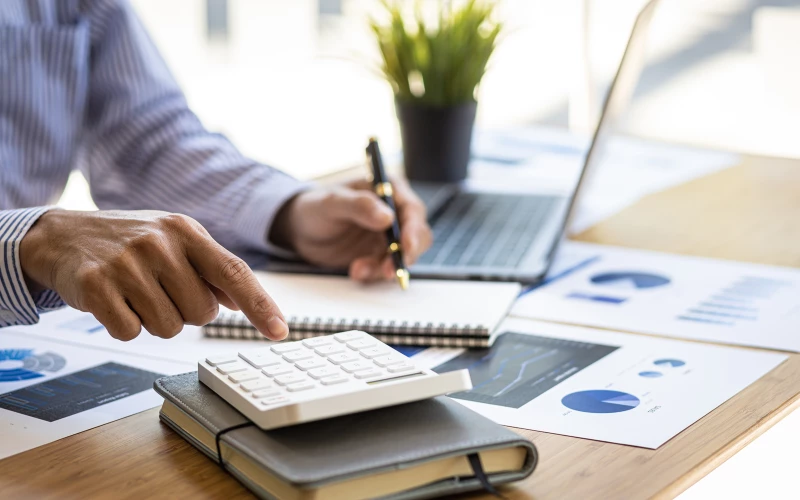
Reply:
x=293, y=382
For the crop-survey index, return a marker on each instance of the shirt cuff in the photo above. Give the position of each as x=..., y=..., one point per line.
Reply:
x=256, y=216
x=17, y=305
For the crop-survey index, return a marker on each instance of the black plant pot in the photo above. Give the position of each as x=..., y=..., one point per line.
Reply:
x=436, y=141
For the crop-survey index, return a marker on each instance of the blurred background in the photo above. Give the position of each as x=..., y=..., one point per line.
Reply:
x=294, y=83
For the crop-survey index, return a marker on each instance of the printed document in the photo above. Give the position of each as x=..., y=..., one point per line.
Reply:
x=679, y=296
x=51, y=390
x=600, y=385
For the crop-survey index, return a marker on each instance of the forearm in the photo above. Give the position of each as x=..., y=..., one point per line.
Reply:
x=161, y=157
x=20, y=304
x=147, y=150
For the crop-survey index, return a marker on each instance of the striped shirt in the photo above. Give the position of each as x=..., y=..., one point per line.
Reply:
x=82, y=86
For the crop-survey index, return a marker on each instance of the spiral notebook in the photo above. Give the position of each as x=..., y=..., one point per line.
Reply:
x=429, y=313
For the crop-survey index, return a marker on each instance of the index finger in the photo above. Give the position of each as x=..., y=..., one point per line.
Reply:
x=234, y=277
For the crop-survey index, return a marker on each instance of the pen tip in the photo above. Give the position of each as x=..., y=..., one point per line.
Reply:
x=402, y=278
x=373, y=139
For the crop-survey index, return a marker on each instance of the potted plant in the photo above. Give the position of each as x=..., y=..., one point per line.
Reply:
x=434, y=70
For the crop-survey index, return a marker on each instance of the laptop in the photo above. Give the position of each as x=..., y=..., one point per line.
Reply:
x=513, y=237
x=498, y=236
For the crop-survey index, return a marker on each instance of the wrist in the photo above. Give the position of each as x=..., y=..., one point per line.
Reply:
x=281, y=233
x=34, y=250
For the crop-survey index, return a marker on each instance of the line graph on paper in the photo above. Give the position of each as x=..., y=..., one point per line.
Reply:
x=520, y=367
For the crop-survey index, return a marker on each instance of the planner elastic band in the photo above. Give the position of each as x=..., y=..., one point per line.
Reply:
x=480, y=474
x=218, y=436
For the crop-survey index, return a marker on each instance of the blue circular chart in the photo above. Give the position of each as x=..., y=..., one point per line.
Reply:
x=650, y=374
x=629, y=280
x=673, y=363
x=600, y=401
x=23, y=364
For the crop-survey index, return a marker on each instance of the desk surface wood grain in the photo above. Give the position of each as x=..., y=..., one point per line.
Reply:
x=749, y=213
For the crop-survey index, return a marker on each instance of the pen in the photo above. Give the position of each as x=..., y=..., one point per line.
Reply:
x=383, y=188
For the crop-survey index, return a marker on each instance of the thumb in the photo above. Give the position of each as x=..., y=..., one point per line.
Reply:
x=362, y=208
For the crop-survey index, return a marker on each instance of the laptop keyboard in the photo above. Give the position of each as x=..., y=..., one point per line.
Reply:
x=486, y=230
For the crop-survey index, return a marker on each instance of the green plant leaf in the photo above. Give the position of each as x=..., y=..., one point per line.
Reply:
x=449, y=59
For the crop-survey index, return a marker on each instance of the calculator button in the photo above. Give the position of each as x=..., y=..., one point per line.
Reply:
x=277, y=370
x=308, y=364
x=336, y=379
x=266, y=393
x=328, y=350
x=355, y=366
x=297, y=355
x=260, y=358
x=373, y=372
x=343, y=357
x=221, y=359
x=348, y=336
x=317, y=342
x=274, y=400
x=391, y=359
x=290, y=378
x=301, y=386
x=244, y=376
x=255, y=385
x=403, y=367
x=359, y=344
x=287, y=347
x=323, y=372
x=374, y=352
x=236, y=366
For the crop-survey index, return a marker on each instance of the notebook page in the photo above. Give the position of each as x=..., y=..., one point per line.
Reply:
x=426, y=301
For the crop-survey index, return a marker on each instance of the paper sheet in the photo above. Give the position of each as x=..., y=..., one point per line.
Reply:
x=606, y=386
x=679, y=296
x=82, y=329
x=50, y=390
x=549, y=160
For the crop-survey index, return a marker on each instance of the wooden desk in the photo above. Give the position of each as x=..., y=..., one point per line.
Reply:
x=751, y=212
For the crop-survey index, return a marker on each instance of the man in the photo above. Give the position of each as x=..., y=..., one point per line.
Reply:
x=82, y=84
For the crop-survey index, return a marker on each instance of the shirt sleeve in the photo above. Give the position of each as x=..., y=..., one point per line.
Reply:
x=17, y=305
x=145, y=149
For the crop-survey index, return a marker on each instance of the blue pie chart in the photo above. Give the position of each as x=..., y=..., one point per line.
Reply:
x=599, y=401
x=629, y=280
x=674, y=363
x=23, y=364
x=650, y=374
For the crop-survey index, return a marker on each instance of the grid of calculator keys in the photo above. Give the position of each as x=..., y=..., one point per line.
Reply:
x=272, y=375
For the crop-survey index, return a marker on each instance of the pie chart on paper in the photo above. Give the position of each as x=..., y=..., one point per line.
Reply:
x=629, y=280
x=23, y=364
x=600, y=401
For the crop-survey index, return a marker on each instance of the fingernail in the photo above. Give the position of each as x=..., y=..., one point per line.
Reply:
x=277, y=328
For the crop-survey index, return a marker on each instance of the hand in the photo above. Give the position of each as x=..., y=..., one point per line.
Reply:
x=151, y=269
x=343, y=227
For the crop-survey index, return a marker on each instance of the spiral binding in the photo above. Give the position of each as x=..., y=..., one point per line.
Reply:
x=234, y=325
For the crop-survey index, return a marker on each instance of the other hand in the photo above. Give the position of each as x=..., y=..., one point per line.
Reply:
x=143, y=268
x=344, y=227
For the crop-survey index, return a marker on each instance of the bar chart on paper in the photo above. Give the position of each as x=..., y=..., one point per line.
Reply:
x=741, y=301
